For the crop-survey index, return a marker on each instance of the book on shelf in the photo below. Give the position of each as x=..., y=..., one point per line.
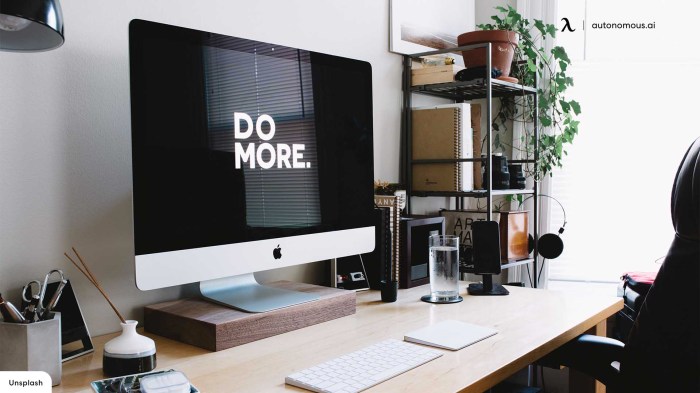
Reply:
x=442, y=132
x=392, y=203
x=476, y=131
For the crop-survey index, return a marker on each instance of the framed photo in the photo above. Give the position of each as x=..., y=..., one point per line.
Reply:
x=422, y=25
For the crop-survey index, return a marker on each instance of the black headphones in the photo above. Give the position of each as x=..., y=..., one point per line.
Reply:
x=549, y=245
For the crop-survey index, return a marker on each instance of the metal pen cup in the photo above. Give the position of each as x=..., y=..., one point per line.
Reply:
x=32, y=347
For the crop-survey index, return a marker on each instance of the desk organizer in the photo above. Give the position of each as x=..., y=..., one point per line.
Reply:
x=32, y=347
x=214, y=327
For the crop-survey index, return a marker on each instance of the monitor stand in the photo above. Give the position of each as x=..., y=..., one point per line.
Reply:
x=488, y=288
x=243, y=292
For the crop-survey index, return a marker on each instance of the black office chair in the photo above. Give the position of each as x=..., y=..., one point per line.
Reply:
x=662, y=353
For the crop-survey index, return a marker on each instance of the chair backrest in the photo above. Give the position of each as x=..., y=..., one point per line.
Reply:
x=663, y=350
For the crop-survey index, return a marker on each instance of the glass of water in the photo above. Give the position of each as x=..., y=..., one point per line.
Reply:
x=444, y=269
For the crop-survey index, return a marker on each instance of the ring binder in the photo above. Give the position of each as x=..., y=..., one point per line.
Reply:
x=442, y=132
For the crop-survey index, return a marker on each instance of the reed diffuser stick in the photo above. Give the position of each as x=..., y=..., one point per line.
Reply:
x=87, y=273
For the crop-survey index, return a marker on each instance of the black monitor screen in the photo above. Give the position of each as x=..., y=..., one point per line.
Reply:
x=237, y=140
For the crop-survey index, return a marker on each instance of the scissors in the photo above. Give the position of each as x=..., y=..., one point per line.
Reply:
x=38, y=296
x=28, y=291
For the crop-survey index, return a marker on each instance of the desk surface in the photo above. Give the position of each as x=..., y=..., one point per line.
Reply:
x=531, y=323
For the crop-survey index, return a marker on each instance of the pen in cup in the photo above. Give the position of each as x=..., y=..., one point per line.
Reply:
x=10, y=313
x=30, y=312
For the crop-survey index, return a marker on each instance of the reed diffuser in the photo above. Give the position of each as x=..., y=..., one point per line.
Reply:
x=128, y=353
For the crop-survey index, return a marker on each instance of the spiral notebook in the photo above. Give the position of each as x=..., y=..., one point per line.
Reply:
x=442, y=132
x=450, y=334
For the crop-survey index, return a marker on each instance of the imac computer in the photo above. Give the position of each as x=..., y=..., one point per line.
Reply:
x=247, y=156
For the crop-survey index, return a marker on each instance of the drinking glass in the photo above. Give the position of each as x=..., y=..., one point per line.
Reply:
x=443, y=264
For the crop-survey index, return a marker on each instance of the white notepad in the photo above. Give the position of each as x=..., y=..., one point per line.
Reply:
x=450, y=334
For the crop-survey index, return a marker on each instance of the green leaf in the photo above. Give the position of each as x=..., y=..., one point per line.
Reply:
x=565, y=106
x=552, y=30
x=558, y=147
x=531, y=65
x=560, y=54
x=515, y=17
x=530, y=52
x=499, y=8
x=539, y=25
x=575, y=106
x=563, y=65
x=546, y=121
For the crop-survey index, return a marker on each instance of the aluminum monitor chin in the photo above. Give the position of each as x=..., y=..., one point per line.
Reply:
x=247, y=156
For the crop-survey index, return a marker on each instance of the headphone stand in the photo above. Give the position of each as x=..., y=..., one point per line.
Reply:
x=488, y=288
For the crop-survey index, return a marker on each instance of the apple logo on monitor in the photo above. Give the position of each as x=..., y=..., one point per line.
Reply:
x=277, y=252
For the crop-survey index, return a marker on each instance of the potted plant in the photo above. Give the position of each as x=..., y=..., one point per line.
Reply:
x=504, y=43
x=556, y=111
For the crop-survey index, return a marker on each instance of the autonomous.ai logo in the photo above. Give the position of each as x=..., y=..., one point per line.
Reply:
x=567, y=25
x=279, y=155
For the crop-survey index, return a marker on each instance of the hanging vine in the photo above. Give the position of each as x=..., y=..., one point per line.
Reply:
x=556, y=112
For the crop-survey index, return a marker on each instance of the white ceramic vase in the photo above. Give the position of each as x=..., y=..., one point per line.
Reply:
x=129, y=353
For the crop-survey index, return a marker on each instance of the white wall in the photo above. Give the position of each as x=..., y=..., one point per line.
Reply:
x=65, y=176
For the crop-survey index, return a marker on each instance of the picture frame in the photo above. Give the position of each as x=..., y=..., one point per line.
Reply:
x=416, y=27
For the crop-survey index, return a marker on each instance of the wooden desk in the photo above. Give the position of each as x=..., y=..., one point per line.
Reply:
x=531, y=323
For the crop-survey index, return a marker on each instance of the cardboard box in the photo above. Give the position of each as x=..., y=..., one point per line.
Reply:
x=434, y=74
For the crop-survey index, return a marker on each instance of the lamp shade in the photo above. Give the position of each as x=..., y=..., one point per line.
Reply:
x=30, y=25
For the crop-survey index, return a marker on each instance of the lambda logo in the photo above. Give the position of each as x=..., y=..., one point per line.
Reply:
x=567, y=25
x=281, y=154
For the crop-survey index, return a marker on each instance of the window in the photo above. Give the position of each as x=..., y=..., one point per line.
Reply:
x=617, y=179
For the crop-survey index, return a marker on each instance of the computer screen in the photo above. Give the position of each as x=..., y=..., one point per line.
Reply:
x=247, y=155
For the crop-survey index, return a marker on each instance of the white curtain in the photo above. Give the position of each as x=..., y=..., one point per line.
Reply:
x=546, y=11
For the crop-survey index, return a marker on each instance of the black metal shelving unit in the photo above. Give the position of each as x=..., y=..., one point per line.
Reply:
x=488, y=88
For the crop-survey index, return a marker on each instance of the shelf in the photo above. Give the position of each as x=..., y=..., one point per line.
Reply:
x=453, y=160
x=475, y=194
x=446, y=160
x=463, y=269
x=460, y=91
x=472, y=90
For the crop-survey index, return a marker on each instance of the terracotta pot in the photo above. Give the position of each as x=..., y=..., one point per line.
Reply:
x=502, y=48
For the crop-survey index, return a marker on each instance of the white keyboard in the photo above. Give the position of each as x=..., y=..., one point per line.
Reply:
x=363, y=369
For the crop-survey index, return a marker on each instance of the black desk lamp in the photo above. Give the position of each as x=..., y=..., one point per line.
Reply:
x=30, y=25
